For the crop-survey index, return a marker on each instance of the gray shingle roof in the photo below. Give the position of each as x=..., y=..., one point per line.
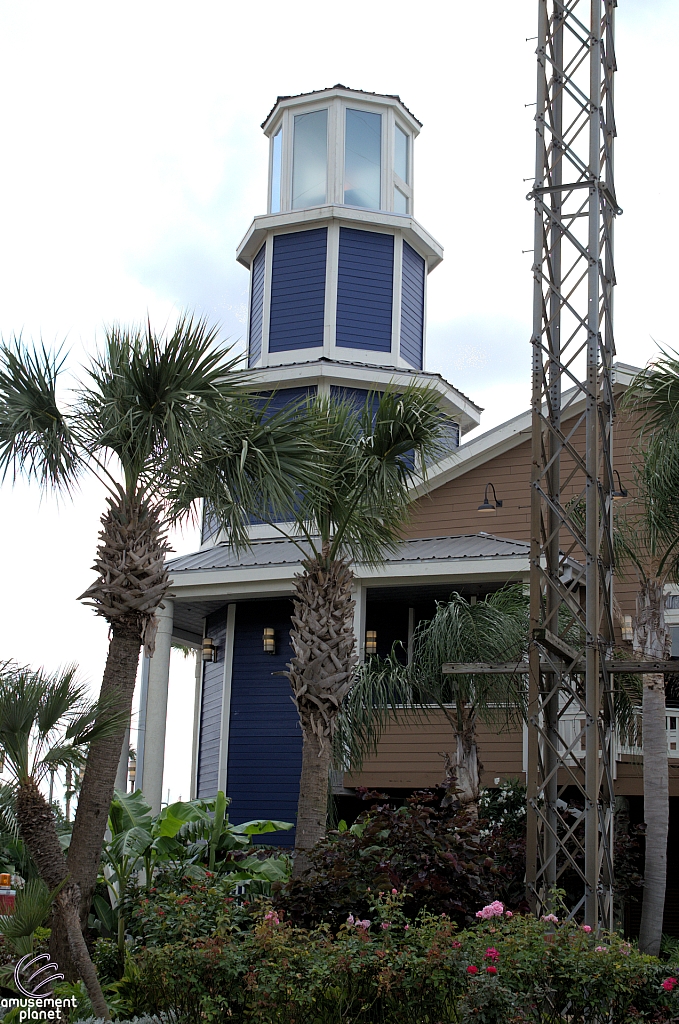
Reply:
x=284, y=552
x=344, y=88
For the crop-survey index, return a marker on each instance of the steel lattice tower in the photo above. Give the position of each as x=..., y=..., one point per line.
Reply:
x=570, y=693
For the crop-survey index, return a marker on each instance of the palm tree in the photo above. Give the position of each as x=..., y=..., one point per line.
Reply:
x=492, y=630
x=151, y=409
x=648, y=535
x=48, y=722
x=353, y=510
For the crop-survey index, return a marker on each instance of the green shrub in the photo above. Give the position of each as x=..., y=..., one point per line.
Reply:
x=183, y=910
x=388, y=968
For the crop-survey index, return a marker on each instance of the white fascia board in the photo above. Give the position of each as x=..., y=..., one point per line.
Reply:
x=317, y=216
x=324, y=95
x=506, y=436
x=341, y=374
x=277, y=580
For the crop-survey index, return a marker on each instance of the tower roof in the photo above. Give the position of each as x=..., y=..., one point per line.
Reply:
x=339, y=88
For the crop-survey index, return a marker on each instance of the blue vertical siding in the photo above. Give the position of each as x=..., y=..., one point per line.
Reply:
x=298, y=290
x=211, y=708
x=256, y=307
x=412, y=307
x=365, y=290
x=265, y=739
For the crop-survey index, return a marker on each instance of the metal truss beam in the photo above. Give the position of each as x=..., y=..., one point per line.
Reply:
x=570, y=786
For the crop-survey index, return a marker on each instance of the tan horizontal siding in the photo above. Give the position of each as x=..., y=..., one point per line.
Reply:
x=452, y=508
x=410, y=755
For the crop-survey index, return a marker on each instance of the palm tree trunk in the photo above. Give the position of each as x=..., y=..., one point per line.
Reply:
x=651, y=639
x=321, y=673
x=467, y=764
x=38, y=830
x=95, y=797
x=656, y=813
x=132, y=581
x=312, y=808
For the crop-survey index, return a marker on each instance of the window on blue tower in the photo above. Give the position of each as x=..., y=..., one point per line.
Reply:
x=401, y=154
x=310, y=159
x=276, y=150
x=362, y=158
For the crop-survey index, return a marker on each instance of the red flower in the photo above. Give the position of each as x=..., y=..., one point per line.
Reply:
x=491, y=970
x=669, y=983
x=472, y=969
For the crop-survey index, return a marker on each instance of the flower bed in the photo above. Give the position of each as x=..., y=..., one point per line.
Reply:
x=387, y=968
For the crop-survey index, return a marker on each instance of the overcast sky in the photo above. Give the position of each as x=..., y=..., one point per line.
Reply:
x=133, y=162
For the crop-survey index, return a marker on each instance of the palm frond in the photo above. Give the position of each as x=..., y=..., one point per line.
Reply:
x=382, y=688
x=149, y=395
x=37, y=438
x=32, y=906
x=654, y=392
x=256, y=463
x=357, y=499
x=47, y=720
x=495, y=629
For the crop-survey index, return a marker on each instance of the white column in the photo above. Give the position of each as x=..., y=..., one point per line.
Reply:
x=121, y=775
x=197, y=702
x=226, y=698
x=154, y=713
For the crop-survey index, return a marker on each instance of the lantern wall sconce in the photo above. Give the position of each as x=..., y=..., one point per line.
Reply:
x=489, y=506
x=371, y=641
x=627, y=629
x=621, y=491
x=269, y=640
x=209, y=649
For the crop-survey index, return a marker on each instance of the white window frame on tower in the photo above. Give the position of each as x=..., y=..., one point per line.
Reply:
x=337, y=107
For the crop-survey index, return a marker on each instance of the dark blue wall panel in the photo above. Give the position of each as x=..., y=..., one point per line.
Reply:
x=211, y=708
x=265, y=739
x=298, y=290
x=256, y=306
x=365, y=290
x=412, y=307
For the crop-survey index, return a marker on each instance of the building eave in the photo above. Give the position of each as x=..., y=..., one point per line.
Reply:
x=506, y=436
x=318, y=216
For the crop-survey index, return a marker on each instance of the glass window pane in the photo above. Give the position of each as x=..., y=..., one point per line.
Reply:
x=362, y=151
x=400, y=202
x=401, y=154
x=276, y=172
x=310, y=159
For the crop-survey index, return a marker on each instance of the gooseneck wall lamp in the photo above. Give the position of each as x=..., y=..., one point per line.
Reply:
x=489, y=506
x=620, y=492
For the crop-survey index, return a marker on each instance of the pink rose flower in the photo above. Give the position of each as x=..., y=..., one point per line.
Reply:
x=406, y=927
x=394, y=892
x=550, y=917
x=457, y=945
x=350, y=919
x=495, y=909
x=385, y=925
x=669, y=983
x=491, y=954
x=508, y=913
x=600, y=949
x=472, y=969
x=586, y=928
